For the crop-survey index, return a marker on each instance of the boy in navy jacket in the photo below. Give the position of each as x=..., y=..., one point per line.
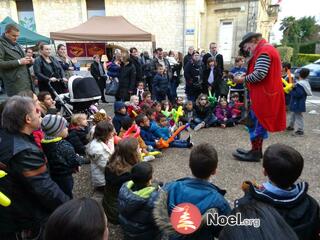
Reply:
x=298, y=99
x=160, y=84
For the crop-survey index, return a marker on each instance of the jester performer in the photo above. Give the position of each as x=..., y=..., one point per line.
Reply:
x=267, y=110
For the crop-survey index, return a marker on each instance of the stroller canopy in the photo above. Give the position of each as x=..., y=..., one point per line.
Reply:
x=83, y=89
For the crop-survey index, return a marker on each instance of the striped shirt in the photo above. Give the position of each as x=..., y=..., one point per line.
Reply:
x=261, y=69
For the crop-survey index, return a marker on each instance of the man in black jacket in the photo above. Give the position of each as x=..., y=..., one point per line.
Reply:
x=134, y=58
x=217, y=56
x=33, y=194
x=187, y=58
x=98, y=74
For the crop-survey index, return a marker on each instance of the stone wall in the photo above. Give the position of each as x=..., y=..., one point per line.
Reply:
x=8, y=8
x=163, y=18
x=56, y=15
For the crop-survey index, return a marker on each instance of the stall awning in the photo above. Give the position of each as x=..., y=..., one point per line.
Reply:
x=107, y=28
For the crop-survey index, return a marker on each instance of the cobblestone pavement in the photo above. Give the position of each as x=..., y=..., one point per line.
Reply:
x=230, y=173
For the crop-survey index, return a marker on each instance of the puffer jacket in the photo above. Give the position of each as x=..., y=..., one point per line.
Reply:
x=99, y=153
x=135, y=211
x=160, y=84
x=78, y=138
x=34, y=196
x=203, y=194
x=61, y=156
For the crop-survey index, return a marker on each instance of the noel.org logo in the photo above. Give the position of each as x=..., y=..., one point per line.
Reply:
x=185, y=218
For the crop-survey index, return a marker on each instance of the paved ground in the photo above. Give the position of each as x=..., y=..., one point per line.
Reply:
x=231, y=173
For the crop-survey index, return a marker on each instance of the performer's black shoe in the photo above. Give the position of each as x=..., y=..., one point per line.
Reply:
x=243, y=151
x=250, y=156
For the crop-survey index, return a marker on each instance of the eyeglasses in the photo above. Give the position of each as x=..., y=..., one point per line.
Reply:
x=203, y=99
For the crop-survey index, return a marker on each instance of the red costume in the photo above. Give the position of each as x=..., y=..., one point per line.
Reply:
x=267, y=98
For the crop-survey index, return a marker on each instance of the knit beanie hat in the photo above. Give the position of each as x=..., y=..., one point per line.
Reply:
x=118, y=105
x=52, y=125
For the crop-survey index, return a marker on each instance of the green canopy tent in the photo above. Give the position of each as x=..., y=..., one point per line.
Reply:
x=27, y=37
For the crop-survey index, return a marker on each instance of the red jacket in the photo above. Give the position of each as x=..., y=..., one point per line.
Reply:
x=267, y=98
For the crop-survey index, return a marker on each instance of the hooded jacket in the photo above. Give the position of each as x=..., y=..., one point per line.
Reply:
x=135, y=211
x=203, y=194
x=61, y=156
x=299, y=95
x=99, y=153
x=299, y=210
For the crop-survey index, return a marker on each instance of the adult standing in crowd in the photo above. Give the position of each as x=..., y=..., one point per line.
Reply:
x=159, y=59
x=217, y=57
x=263, y=79
x=127, y=78
x=193, y=75
x=29, y=53
x=14, y=65
x=211, y=77
x=176, y=66
x=47, y=68
x=34, y=196
x=147, y=69
x=187, y=58
x=98, y=73
x=134, y=58
x=65, y=62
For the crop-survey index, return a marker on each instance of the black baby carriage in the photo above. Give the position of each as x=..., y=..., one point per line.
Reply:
x=83, y=93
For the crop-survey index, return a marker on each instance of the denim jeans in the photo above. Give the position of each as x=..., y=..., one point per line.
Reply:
x=211, y=121
x=179, y=144
x=65, y=182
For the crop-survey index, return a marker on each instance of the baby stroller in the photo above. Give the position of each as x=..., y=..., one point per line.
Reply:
x=83, y=94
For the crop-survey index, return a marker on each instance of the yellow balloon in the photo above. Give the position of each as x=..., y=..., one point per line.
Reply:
x=4, y=200
x=287, y=86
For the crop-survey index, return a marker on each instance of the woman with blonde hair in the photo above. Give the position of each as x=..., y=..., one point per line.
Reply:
x=127, y=78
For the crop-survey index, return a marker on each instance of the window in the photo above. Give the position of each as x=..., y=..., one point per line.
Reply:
x=25, y=14
x=95, y=8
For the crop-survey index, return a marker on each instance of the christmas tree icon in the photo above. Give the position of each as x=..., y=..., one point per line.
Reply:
x=185, y=221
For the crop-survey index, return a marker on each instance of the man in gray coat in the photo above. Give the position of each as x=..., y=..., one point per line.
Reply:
x=14, y=66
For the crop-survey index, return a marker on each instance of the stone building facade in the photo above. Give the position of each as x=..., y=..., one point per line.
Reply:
x=176, y=24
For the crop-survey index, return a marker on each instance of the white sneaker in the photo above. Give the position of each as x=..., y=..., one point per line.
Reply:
x=148, y=158
x=199, y=126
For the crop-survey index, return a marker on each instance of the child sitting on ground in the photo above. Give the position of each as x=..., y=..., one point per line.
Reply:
x=125, y=125
x=146, y=99
x=237, y=107
x=99, y=151
x=164, y=132
x=198, y=190
x=136, y=201
x=144, y=123
x=297, y=106
x=166, y=105
x=179, y=102
x=47, y=104
x=120, y=112
x=224, y=114
x=151, y=114
x=140, y=91
x=118, y=171
x=283, y=166
x=78, y=131
x=133, y=107
x=204, y=116
x=63, y=160
x=157, y=107
x=188, y=114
